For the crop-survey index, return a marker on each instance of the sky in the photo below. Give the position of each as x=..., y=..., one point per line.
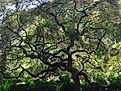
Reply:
x=26, y=4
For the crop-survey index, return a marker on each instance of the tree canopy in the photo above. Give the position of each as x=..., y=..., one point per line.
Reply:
x=76, y=36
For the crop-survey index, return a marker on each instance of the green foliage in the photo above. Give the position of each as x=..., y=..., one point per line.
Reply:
x=41, y=33
x=99, y=78
x=6, y=85
x=114, y=78
x=63, y=84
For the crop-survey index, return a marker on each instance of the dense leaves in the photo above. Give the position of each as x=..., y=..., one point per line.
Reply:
x=78, y=38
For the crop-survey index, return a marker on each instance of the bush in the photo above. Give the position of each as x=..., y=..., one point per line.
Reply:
x=99, y=79
x=44, y=86
x=6, y=85
x=63, y=84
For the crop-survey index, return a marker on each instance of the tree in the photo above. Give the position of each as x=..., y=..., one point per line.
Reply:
x=64, y=35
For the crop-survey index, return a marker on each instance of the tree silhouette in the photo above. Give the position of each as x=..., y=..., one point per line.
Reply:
x=61, y=34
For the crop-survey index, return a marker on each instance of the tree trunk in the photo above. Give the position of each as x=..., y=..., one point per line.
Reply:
x=76, y=83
